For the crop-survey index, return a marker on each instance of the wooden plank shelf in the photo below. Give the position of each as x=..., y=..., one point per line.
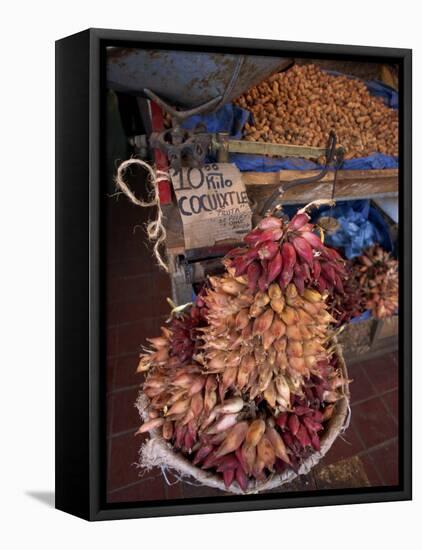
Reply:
x=351, y=184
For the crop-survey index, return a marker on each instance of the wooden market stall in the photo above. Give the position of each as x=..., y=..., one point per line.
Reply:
x=190, y=266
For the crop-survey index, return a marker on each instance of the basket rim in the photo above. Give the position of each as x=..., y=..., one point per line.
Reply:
x=168, y=459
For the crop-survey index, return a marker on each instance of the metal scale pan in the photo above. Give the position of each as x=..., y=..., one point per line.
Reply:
x=188, y=79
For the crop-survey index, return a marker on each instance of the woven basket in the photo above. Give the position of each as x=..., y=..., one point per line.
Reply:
x=157, y=452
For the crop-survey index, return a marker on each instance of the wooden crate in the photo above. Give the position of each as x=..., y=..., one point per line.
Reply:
x=351, y=184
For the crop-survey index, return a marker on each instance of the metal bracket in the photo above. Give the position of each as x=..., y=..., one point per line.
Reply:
x=332, y=154
x=178, y=144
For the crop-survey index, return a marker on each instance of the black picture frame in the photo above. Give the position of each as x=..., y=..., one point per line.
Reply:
x=80, y=401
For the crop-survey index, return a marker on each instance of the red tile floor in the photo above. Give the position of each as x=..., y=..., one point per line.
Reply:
x=136, y=307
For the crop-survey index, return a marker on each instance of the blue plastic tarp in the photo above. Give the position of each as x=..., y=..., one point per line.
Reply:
x=361, y=226
x=388, y=94
x=362, y=317
x=231, y=119
x=259, y=163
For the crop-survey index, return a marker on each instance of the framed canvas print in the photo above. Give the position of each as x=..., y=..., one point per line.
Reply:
x=233, y=274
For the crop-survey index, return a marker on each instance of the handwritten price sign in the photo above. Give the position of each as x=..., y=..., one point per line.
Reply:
x=213, y=204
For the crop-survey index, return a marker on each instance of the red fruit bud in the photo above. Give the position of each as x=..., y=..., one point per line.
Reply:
x=288, y=255
x=253, y=237
x=269, y=223
x=312, y=239
x=273, y=234
x=268, y=250
x=240, y=265
x=339, y=267
x=316, y=269
x=328, y=272
x=307, y=227
x=318, y=392
x=317, y=416
x=229, y=462
x=228, y=477
x=300, y=277
x=192, y=427
x=253, y=274
x=285, y=277
x=241, y=459
x=322, y=284
x=293, y=424
x=202, y=453
x=298, y=270
x=331, y=254
x=210, y=461
x=338, y=284
x=311, y=424
x=274, y=267
x=304, y=249
x=241, y=479
x=315, y=442
x=281, y=420
x=303, y=436
x=252, y=254
x=300, y=410
x=306, y=270
x=299, y=283
x=288, y=440
x=298, y=221
x=180, y=435
x=188, y=441
x=235, y=252
x=262, y=281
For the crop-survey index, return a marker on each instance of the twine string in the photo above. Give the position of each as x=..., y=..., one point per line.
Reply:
x=155, y=229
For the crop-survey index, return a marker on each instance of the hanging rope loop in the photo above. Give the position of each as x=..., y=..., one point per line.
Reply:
x=155, y=229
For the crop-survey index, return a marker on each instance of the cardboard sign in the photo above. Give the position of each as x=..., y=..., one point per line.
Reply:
x=213, y=204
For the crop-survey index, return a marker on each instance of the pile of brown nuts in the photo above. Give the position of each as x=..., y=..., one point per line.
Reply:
x=301, y=106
